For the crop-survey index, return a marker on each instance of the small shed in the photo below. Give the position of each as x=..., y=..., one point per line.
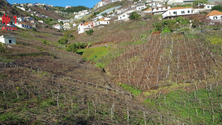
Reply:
x=7, y=39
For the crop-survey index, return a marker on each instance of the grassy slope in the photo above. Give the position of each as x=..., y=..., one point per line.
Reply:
x=124, y=37
x=39, y=87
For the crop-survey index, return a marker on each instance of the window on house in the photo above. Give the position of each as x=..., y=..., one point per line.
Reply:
x=208, y=6
x=175, y=12
x=215, y=17
x=182, y=12
x=221, y=17
x=10, y=41
x=123, y=15
x=188, y=11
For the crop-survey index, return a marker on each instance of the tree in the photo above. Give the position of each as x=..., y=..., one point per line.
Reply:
x=89, y=32
x=61, y=22
x=76, y=9
x=2, y=48
x=62, y=40
x=196, y=2
x=134, y=16
x=104, y=14
x=217, y=7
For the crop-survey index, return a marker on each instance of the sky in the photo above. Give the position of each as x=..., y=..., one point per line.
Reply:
x=63, y=3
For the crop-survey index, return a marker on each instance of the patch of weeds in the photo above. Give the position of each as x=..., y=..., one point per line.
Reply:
x=133, y=90
x=2, y=76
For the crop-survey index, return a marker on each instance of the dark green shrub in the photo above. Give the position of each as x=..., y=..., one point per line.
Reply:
x=45, y=42
x=89, y=32
x=217, y=7
x=62, y=40
x=134, y=16
x=75, y=46
x=2, y=48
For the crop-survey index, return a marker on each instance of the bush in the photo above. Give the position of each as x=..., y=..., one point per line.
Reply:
x=34, y=29
x=217, y=7
x=166, y=30
x=182, y=20
x=89, y=32
x=45, y=42
x=62, y=40
x=75, y=46
x=2, y=48
x=134, y=16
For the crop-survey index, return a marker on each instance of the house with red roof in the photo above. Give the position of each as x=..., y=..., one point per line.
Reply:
x=214, y=15
x=85, y=26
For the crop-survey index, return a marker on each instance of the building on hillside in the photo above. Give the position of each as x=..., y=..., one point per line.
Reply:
x=20, y=19
x=28, y=18
x=160, y=10
x=85, y=26
x=101, y=22
x=7, y=39
x=22, y=25
x=179, y=11
x=214, y=15
x=57, y=26
x=208, y=6
x=140, y=7
x=32, y=21
x=74, y=24
x=40, y=21
x=67, y=7
x=170, y=2
x=66, y=26
x=30, y=5
x=125, y=16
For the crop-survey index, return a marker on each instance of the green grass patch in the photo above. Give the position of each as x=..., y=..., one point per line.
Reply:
x=133, y=90
x=197, y=105
x=95, y=53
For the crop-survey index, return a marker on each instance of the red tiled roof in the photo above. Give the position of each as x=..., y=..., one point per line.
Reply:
x=214, y=13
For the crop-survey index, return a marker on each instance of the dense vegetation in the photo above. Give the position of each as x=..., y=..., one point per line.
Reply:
x=134, y=16
x=76, y=9
x=217, y=7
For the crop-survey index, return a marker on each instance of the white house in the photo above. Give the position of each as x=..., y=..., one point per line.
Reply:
x=85, y=26
x=67, y=7
x=125, y=15
x=20, y=19
x=214, y=15
x=40, y=21
x=23, y=25
x=100, y=4
x=175, y=2
x=30, y=5
x=102, y=22
x=160, y=10
x=57, y=26
x=152, y=4
x=140, y=7
x=208, y=6
x=28, y=18
x=7, y=40
x=74, y=24
x=32, y=21
x=66, y=26
x=179, y=11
